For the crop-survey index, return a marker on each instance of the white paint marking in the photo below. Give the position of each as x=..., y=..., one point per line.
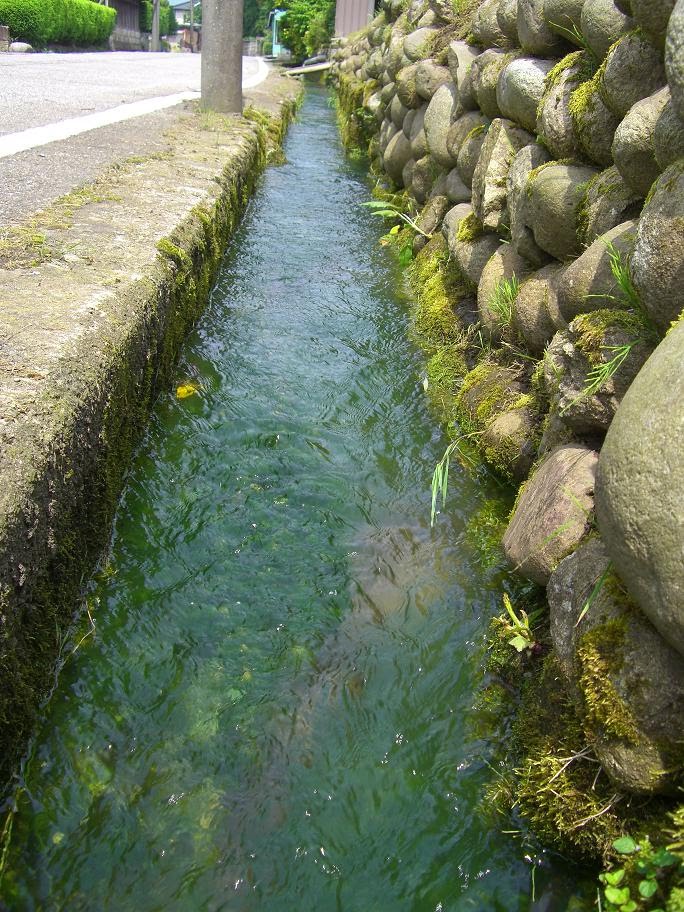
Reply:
x=12, y=143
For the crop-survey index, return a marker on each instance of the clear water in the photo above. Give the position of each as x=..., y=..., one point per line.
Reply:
x=274, y=712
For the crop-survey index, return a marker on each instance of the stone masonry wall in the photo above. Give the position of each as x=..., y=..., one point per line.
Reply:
x=540, y=144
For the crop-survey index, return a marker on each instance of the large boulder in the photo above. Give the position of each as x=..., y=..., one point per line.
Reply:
x=564, y=17
x=429, y=77
x=417, y=134
x=387, y=133
x=470, y=125
x=417, y=44
x=553, y=513
x=502, y=142
x=398, y=111
x=633, y=70
x=590, y=341
x=589, y=283
x=652, y=16
x=452, y=222
x=594, y=123
x=525, y=162
x=429, y=221
x=473, y=249
x=396, y=155
x=668, y=136
x=602, y=25
x=507, y=17
x=556, y=192
x=456, y=190
x=531, y=319
x=628, y=682
x=425, y=173
x=469, y=152
x=634, y=143
x=554, y=121
x=520, y=88
x=460, y=57
x=485, y=28
x=485, y=72
x=438, y=117
x=608, y=202
x=674, y=54
x=536, y=36
x=407, y=91
x=494, y=403
x=641, y=478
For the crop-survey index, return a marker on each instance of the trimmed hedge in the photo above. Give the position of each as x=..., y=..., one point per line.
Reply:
x=38, y=22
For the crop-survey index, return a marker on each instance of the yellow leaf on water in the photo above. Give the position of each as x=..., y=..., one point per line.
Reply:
x=186, y=389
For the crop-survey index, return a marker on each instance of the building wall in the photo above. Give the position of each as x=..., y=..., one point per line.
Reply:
x=352, y=15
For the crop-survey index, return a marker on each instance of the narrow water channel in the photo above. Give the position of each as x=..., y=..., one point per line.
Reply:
x=275, y=710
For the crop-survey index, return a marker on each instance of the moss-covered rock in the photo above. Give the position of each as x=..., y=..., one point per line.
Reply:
x=607, y=202
x=554, y=122
x=503, y=140
x=633, y=145
x=577, y=358
x=593, y=122
x=589, y=282
x=556, y=192
x=553, y=513
x=602, y=24
x=633, y=69
x=629, y=682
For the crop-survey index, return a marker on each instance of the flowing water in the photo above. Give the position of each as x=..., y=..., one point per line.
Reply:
x=275, y=710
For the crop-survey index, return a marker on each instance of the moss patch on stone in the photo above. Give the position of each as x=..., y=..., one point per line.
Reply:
x=469, y=229
x=592, y=330
x=599, y=654
x=438, y=288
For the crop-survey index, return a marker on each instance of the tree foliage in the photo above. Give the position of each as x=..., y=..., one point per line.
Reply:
x=308, y=25
x=167, y=18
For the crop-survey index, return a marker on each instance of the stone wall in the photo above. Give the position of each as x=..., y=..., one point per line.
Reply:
x=540, y=144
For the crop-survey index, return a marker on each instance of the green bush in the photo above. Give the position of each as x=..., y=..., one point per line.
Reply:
x=308, y=25
x=81, y=22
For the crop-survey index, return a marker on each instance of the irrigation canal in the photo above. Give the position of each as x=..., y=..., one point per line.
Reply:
x=276, y=708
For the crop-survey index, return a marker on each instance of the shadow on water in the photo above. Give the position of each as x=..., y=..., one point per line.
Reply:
x=275, y=709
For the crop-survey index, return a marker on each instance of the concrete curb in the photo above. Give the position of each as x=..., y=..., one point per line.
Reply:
x=96, y=297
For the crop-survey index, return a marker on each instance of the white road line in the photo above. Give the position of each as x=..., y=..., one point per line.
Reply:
x=12, y=143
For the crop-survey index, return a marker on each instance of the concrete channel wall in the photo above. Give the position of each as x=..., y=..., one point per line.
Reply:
x=97, y=293
x=540, y=146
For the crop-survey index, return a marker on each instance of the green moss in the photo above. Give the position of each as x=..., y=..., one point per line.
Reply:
x=23, y=247
x=582, y=100
x=469, y=229
x=592, y=328
x=600, y=656
x=445, y=370
x=484, y=532
x=438, y=288
x=356, y=123
x=558, y=787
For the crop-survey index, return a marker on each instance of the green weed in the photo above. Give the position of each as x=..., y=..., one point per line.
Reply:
x=503, y=298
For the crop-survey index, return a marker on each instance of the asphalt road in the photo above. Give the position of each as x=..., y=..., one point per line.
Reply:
x=41, y=89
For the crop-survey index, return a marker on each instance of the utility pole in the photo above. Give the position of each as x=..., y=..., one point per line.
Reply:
x=192, y=26
x=222, y=56
x=155, y=25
